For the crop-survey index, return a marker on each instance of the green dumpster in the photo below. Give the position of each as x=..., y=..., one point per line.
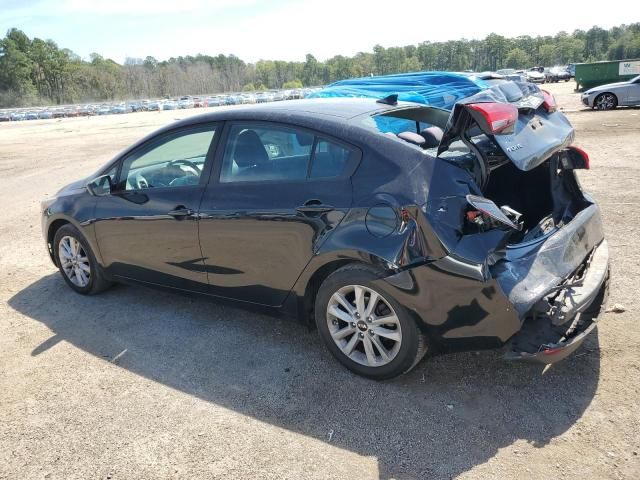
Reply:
x=589, y=75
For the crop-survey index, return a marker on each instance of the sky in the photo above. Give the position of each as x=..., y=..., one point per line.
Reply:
x=288, y=29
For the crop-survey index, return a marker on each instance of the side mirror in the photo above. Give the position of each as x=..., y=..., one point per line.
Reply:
x=488, y=208
x=100, y=186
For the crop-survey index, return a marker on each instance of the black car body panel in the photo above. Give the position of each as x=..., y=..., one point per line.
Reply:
x=397, y=207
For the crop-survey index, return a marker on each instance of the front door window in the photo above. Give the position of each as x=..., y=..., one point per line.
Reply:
x=176, y=161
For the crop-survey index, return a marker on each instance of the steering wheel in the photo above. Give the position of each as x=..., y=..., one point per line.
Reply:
x=188, y=163
x=141, y=182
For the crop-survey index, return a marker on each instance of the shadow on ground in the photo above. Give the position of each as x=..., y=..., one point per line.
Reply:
x=448, y=415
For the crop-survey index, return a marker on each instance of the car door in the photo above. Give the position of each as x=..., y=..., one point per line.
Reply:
x=633, y=92
x=147, y=228
x=276, y=193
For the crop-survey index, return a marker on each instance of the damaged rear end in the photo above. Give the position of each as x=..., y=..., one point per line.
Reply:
x=506, y=196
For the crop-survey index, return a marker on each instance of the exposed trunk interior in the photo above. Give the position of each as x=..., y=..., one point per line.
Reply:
x=527, y=192
x=546, y=196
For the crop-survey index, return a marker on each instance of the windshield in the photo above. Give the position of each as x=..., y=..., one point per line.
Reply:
x=635, y=79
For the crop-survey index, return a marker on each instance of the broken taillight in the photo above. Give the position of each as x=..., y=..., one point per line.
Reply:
x=579, y=158
x=549, y=103
x=498, y=117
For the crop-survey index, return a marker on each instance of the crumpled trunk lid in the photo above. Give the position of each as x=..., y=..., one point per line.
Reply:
x=536, y=135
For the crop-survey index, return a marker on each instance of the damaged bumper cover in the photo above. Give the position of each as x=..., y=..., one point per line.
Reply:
x=548, y=337
x=533, y=270
x=552, y=284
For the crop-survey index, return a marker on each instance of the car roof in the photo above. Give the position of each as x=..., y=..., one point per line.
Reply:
x=336, y=117
x=333, y=110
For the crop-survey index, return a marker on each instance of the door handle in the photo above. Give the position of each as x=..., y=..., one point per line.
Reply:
x=314, y=206
x=180, y=212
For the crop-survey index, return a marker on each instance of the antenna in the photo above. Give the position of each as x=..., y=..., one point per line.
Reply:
x=389, y=100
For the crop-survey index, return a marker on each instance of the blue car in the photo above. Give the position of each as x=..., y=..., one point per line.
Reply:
x=232, y=100
x=118, y=109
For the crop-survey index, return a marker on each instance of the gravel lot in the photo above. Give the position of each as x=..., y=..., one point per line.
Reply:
x=140, y=384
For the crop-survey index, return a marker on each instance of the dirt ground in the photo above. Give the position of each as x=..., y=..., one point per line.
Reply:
x=137, y=383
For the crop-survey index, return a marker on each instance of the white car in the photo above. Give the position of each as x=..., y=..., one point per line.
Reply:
x=186, y=102
x=534, y=76
x=608, y=97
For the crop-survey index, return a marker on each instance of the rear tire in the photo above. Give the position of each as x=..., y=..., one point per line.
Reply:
x=378, y=340
x=77, y=263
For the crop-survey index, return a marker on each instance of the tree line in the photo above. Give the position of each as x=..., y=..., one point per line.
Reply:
x=37, y=72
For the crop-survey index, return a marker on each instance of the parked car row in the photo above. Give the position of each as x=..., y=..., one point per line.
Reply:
x=153, y=105
x=538, y=74
x=45, y=113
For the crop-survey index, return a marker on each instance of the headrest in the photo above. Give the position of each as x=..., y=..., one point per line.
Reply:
x=304, y=139
x=412, y=137
x=249, y=150
x=432, y=136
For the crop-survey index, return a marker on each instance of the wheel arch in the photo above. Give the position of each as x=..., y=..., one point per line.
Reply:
x=58, y=221
x=54, y=226
x=599, y=94
x=319, y=269
x=313, y=285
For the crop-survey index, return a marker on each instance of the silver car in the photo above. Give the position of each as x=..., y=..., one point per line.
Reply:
x=607, y=97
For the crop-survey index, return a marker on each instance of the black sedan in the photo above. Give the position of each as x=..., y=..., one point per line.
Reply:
x=399, y=229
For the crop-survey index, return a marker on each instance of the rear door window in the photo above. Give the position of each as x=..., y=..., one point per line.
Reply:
x=258, y=153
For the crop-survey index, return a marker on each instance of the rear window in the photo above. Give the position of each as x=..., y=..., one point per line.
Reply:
x=329, y=159
x=413, y=119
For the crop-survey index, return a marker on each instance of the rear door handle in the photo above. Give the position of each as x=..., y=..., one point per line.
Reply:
x=180, y=212
x=315, y=208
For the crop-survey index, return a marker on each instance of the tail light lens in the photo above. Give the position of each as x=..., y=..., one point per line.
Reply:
x=574, y=158
x=579, y=157
x=549, y=103
x=495, y=118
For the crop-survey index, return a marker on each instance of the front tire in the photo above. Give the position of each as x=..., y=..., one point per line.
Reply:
x=605, y=101
x=77, y=263
x=364, y=327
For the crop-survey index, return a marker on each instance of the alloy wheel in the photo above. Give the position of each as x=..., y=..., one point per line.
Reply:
x=74, y=261
x=606, y=101
x=364, y=325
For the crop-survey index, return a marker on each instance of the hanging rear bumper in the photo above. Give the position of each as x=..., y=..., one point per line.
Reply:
x=561, y=322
